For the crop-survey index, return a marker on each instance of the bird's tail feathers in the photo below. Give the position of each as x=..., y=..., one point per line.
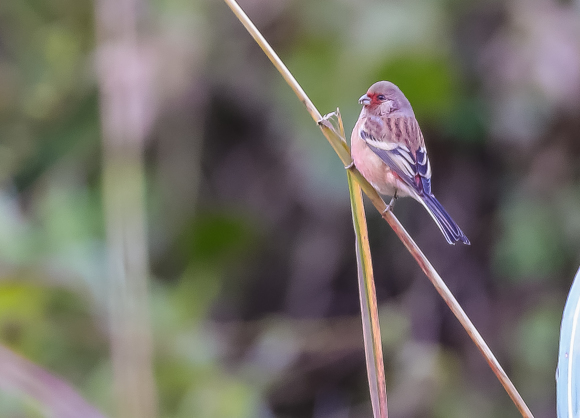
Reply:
x=448, y=227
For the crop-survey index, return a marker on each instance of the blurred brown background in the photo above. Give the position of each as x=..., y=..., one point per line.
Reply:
x=251, y=299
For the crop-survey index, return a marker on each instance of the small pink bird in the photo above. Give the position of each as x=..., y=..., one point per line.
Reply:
x=388, y=149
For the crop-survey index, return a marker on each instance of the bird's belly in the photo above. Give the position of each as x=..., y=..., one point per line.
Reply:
x=376, y=171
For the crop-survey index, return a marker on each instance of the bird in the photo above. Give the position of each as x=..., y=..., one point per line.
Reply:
x=388, y=149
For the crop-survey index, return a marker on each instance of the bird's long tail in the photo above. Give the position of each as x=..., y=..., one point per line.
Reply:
x=448, y=227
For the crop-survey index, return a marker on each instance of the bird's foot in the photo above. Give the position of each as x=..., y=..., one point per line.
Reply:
x=333, y=122
x=351, y=165
x=391, y=204
x=325, y=119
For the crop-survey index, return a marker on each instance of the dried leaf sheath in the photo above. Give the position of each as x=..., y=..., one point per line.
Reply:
x=368, y=304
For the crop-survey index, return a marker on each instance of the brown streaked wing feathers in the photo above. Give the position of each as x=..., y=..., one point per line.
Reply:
x=404, y=139
x=403, y=130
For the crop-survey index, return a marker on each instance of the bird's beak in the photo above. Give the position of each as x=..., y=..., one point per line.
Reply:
x=365, y=100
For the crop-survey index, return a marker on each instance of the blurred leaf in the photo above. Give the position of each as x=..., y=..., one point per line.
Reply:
x=43, y=323
x=22, y=309
x=174, y=377
x=568, y=371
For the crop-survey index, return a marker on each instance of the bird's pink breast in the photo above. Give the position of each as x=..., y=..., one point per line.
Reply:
x=374, y=169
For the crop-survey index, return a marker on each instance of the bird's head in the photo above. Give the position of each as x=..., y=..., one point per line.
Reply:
x=384, y=98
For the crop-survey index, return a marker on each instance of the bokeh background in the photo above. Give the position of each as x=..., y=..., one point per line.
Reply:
x=242, y=284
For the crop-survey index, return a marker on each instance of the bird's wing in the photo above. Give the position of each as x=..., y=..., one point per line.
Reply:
x=399, y=143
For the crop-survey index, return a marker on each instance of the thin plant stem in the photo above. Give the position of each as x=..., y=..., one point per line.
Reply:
x=459, y=313
x=338, y=143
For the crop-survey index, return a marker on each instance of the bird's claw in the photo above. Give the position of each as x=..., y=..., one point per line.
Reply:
x=333, y=122
x=324, y=121
x=391, y=204
x=349, y=166
x=387, y=209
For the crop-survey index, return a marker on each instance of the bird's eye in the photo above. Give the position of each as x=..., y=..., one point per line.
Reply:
x=381, y=97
